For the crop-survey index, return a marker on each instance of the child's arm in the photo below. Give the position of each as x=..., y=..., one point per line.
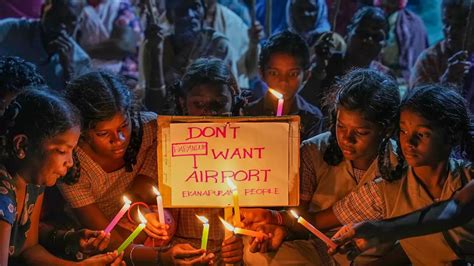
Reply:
x=5, y=231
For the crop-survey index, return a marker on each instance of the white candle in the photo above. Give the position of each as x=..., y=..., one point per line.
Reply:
x=159, y=205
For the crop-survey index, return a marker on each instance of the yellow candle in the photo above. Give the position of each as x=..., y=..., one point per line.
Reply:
x=235, y=197
x=205, y=231
x=134, y=234
x=313, y=230
x=241, y=231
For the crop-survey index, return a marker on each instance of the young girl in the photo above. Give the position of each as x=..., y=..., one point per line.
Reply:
x=354, y=151
x=434, y=122
x=208, y=88
x=117, y=157
x=36, y=151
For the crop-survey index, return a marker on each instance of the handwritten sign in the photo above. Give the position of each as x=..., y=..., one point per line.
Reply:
x=197, y=156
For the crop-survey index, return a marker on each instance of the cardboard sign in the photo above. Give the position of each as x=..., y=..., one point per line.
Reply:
x=197, y=155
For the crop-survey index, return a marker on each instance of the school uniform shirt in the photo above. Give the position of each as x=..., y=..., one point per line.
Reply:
x=8, y=211
x=95, y=186
x=22, y=37
x=381, y=199
x=311, y=116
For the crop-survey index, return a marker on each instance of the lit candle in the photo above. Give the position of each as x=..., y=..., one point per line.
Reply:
x=241, y=231
x=280, y=101
x=159, y=205
x=205, y=231
x=235, y=196
x=313, y=230
x=134, y=234
x=119, y=215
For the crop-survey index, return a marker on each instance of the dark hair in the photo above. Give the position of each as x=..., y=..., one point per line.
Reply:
x=101, y=95
x=375, y=96
x=41, y=114
x=371, y=13
x=466, y=4
x=211, y=71
x=171, y=3
x=445, y=108
x=286, y=42
x=17, y=74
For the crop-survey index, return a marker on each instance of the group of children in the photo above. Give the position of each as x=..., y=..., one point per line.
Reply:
x=67, y=159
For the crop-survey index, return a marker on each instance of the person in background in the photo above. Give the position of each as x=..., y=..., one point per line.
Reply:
x=20, y=9
x=242, y=38
x=284, y=67
x=406, y=39
x=365, y=38
x=110, y=32
x=47, y=42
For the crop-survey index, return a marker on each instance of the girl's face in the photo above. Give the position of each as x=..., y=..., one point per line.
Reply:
x=110, y=138
x=208, y=100
x=54, y=159
x=284, y=73
x=358, y=138
x=422, y=143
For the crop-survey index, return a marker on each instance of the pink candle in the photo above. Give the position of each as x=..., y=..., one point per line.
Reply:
x=159, y=206
x=313, y=230
x=279, y=111
x=119, y=215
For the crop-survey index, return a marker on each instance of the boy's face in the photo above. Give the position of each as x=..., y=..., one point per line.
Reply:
x=62, y=15
x=284, y=73
x=187, y=16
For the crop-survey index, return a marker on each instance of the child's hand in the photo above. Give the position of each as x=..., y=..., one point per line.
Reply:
x=232, y=250
x=185, y=254
x=252, y=218
x=353, y=239
x=111, y=258
x=256, y=33
x=90, y=242
x=154, y=228
x=458, y=67
x=276, y=235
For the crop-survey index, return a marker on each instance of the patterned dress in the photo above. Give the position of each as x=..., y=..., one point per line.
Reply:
x=8, y=210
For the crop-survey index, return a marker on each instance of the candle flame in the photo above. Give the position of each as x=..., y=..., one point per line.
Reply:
x=227, y=225
x=275, y=93
x=231, y=184
x=156, y=191
x=126, y=200
x=141, y=217
x=295, y=214
x=203, y=219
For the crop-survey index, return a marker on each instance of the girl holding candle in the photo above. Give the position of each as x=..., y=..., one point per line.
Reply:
x=434, y=123
x=207, y=89
x=355, y=151
x=284, y=67
x=37, y=151
x=116, y=156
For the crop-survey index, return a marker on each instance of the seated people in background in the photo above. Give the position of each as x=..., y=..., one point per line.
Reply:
x=37, y=150
x=434, y=122
x=171, y=55
x=208, y=88
x=365, y=39
x=116, y=157
x=450, y=60
x=407, y=38
x=242, y=38
x=284, y=67
x=110, y=32
x=332, y=164
x=47, y=42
